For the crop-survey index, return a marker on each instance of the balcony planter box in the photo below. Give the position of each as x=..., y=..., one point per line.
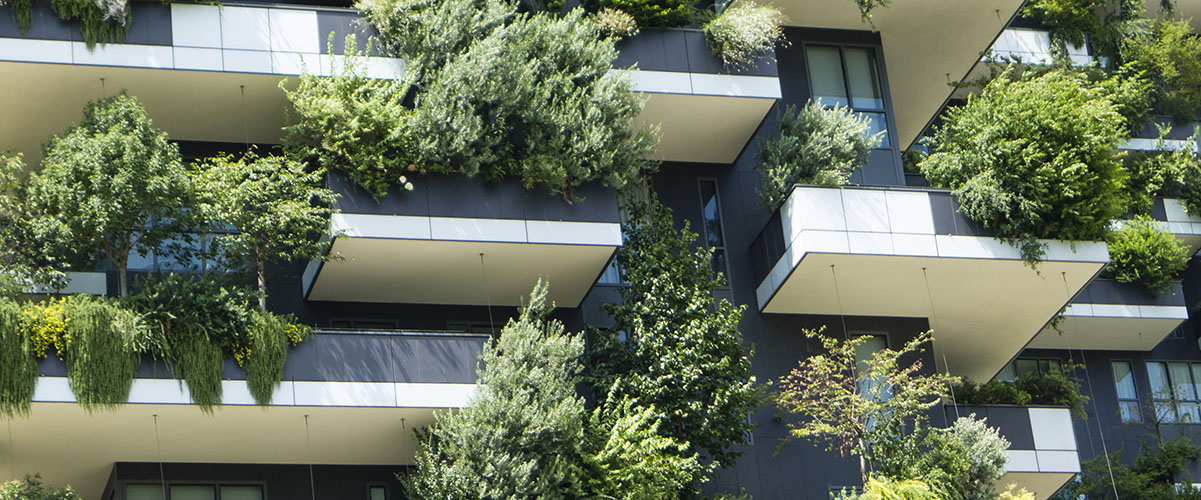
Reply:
x=1042, y=444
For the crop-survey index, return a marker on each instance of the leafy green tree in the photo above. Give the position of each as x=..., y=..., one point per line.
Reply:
x=25, y=260
x=684, y=353
x=32, y=489
x=521, y=434
x=860, y=408
x=632, y=460
x=1152, y=477
x=1144, y=253
x=275, y=208
x=112, y=185
x=537, y=100
x=1033, y=158
x=1172, y=57
x=816, y=145
x=961, y=462
x=354, y=124
x=651, y=13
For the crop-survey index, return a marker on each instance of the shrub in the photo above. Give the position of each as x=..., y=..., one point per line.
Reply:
x=100, y=21
x=993, y=392
x=651, y=13
x=534, y=100
x=1033, y=158
x=1172, y=57
x=816, y=146
x=354, y=124
x=743, y=33
x=32, y=489
x=1153, y=476
x=427, y=34
x=1058, y=387
x=1142, y=252
x=1069, y=20
x=613, y=23
x=1159, y=173
x=963, y=461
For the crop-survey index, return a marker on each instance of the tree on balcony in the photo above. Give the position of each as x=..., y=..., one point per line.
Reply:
x=1032, y=158
x=110, y=186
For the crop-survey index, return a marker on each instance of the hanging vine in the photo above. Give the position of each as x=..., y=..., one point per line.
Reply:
x=100, y=363
x=270, y=337
x=18, y=367
x=22, y=12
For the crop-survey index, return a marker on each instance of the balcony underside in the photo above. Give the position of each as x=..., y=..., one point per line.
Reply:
x=448, y=269
x=927, y=44
x=65, y=444
x=983, y=311
x=1042, y=484
x=703, y=128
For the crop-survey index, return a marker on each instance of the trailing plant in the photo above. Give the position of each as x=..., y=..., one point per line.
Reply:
x=18, y=363
x=1058, y=387
x=100, y=21
x=1172, y=58
x=271, y=336
x=100, y=363
x=1144, y=253
x=859, y=408
x=817, y=145
x=274, y=210
x=428, y=34
x=651, y=13
x=112, y=185
x=22, y=12
x=354, y=124
x=684, y=354
x=993, y=153
x=613, y=23
x=1069, y=20
x=867, y=6
x=200, y=364
x=31, y=488
x=742, y=33
x=510, y=106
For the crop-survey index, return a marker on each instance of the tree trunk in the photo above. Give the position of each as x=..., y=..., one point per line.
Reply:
x=262, y=278
x=123, y=281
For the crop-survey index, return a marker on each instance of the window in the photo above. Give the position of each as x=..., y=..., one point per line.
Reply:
x=872, y=344
x=194, y=492
x=713, y=232
x=362, y=324
x=1174, y=391
x=849, y=76
x=377, y=492
x=1023, y=366
x=1123, y=381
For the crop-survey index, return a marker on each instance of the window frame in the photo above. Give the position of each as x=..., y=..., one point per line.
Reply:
x=724, y=247
x=1138, y=407
x=885, y=97
x=1174, y=401
x=216, y=484
x=374, y=485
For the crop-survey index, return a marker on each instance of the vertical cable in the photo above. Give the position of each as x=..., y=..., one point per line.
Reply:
x=12, y=450
x=158, y=447
x=838, y=297
x=487, y=296
x=934, y=319
x=1093, y=399
x=309, y=445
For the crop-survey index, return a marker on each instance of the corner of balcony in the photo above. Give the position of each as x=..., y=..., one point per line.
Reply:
x=1107, y=315
x=1042, y=444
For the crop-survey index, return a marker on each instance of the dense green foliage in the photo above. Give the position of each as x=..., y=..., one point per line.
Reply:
x=270, y=337
x=354, y=124
x=111, y=185
x=18, y=364
x=817, y=145
x=997, y=155
x=272, y=208
x=651, y=13
x=633, y=460
x=1059, y=387
x=1144, y=253
x=428, y=34
x=614, y=23
x=1152, y=477
x=1070, y=19
x=22, y=12
x=684, y=353
x=32, y=489
x=743, y=33
x=1172, y=58
x=100, y=363
x=520, y=435
x=961, y=462
x=536, y=100
x=845, y=404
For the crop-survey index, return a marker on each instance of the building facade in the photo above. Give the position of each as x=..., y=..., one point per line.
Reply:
x=428, y=275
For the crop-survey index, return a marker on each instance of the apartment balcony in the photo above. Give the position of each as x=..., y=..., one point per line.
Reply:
x=927, y=44
x=706, y=113
x=1042, y=444
x=204, y=73
x=1108, y=315
x=909, y=253
x=1171, y=215
x=1033, y=46
x=385, y=383
x=460, y=240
